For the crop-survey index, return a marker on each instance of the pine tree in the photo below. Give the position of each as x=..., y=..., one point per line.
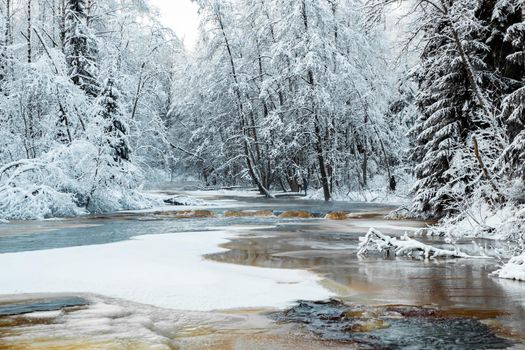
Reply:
x=80, y=48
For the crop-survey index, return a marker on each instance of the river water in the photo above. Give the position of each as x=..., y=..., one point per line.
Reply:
x=382, y=302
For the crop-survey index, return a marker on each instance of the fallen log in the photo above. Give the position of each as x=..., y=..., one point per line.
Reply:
x=406, y=246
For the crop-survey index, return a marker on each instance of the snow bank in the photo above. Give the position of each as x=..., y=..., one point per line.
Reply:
x=479, y=220
x=161, y=270
x=35, y=202
x=234, y=192
x=178, y=200
x=67, y=181
x=185, y=201
x=513, y=270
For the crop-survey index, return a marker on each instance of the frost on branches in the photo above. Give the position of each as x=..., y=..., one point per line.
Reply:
x=278, y=91
x=85, y=95
x=69, y=180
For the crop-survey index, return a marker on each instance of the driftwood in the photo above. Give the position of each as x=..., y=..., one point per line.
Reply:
x=405, y=246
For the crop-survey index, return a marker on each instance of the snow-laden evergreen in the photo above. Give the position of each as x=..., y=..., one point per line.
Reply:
x=469, y=137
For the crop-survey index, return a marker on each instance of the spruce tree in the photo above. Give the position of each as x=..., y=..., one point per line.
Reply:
x=115, y=130
x=471, y=88
x=508, y=20
x=450, y=107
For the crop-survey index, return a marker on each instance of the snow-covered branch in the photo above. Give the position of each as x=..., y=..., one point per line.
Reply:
x=406, y=246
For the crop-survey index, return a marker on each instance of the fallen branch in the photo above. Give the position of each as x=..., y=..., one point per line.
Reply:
x=399, y=213
x=406, y=246
x=19, y=167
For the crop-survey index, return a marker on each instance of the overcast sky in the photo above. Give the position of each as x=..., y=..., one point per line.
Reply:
x=180, y=15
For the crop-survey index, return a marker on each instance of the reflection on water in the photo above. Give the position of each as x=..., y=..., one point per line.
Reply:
x=329, y=250
x=29, y=306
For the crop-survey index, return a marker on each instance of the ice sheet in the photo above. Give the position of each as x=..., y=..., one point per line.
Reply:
x=161, y=270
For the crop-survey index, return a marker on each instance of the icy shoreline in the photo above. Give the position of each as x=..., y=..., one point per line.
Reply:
x=161, y=270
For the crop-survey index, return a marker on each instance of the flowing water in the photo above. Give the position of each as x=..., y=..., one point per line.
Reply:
x=381, y=303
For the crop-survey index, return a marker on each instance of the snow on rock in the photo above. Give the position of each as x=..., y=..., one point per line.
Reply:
x=184, y=201
x=161, y=270
x=513, y=270
x=375, y=240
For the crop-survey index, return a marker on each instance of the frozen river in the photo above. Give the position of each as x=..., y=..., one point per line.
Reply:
x=215, y=277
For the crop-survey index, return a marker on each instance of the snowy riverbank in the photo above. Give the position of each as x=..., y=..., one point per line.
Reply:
x=161, y=270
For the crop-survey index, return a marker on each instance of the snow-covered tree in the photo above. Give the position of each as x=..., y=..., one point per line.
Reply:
x=292, y=90
x=509, y=22
x=80, y=48
x=65, y=142
x=115, y=129
x=463, y=82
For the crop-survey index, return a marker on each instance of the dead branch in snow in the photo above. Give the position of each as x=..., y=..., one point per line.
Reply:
x=406, y=246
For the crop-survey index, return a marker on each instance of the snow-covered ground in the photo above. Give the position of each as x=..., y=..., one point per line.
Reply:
x=161, y=270
x=241, y=193
x=365, y=196
x=196, y=200
x=514, y=269
x=377, y=192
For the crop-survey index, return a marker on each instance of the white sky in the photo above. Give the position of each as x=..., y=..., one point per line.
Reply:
x=181, y=16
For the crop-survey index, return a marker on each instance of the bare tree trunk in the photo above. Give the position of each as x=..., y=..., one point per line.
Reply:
x=137, y=93
x=365, y=154
x=8, y=29
x=485, y=171
x=3, y=46
x=5, y=42
x=63, y=24
x=387, y=162
x=247, y=148
x=282, y=185
x=54, y=22
x=325, y=182
x=29, y=32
